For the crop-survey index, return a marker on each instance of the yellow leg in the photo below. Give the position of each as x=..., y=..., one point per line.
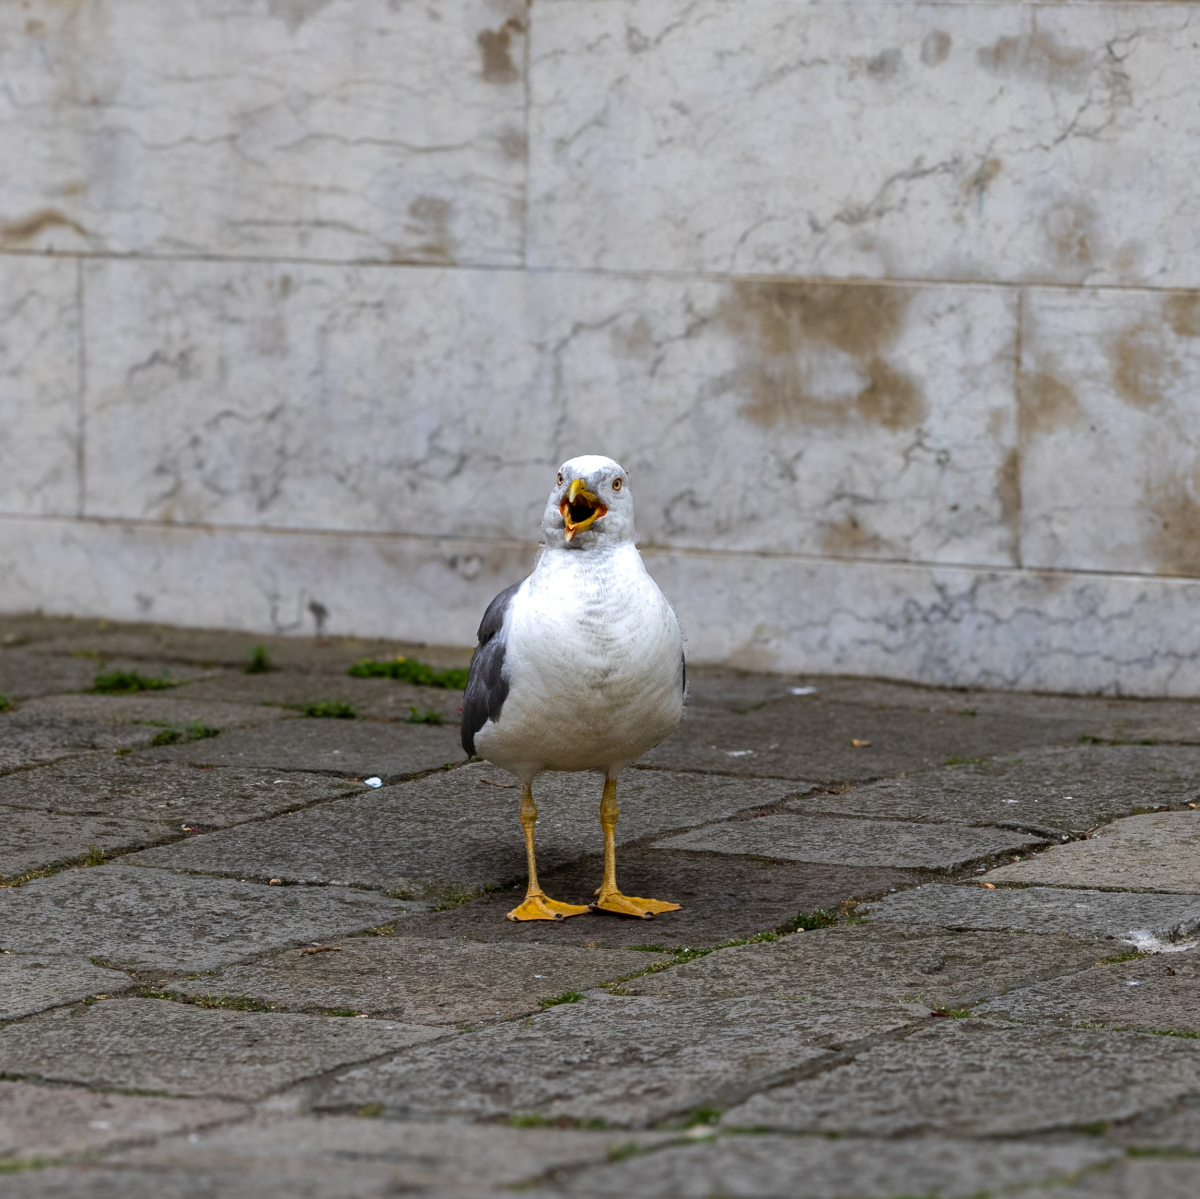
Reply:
x=611, y=899
x=537, y=905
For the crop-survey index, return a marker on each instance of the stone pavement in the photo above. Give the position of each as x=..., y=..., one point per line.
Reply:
x=932, y=944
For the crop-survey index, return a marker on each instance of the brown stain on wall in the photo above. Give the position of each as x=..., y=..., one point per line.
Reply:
x=15, y=235
x=1138, y=367
x=1036, y=56
x=847, y=537
x=1008, y=492
x=495, y=51
x=935, y=47
x=778, y=325
x=1175, y=528
x=1047, y=404
x=1181, y=310
x=432, y=215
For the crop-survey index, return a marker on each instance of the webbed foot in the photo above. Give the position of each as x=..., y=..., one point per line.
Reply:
x=542, y=907
x=631, y=905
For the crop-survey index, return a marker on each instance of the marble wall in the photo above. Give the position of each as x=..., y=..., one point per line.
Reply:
x=884, y=306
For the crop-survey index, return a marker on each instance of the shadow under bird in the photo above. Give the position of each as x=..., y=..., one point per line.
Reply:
x=579, y=667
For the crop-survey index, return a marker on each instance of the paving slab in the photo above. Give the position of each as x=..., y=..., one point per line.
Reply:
x=809, y=737
x=49, y=1122
x=878, y=963
x=32, y=983
x=848, y=842
x=33, y=840
x=770, y=1166
x=423, y=982
x=1066, y=790
x=221, y=647
x=1136, y=1179
x=336, y=1157
x=158, y=1045
x=457, y=832
x=357, y=748
x=134, y=788
x=1175, y=1127
x=24, y=674
x=1156, y=994
x=1124, y=915
x=1156, y=852
x=179, y=707
x=30, y=740
x=722, y=898
x=628, y=1061
x=153, y=919
x=380, y=699
x=979, y=1078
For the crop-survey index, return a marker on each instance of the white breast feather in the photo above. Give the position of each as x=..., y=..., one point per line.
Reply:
x=592, y=656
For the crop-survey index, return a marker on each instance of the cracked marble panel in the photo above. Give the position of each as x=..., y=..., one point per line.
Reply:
x=39, y=385
x=1110, y=431
x=1002, y=142
x=334, y=129
x=880, y=420
x=1001, y=629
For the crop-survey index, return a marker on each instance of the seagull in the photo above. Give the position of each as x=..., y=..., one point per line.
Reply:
x=578, y=667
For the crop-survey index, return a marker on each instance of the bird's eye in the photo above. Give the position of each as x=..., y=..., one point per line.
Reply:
x=560, y=478
x=616, y=484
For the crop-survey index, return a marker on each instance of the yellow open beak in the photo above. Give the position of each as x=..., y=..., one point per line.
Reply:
x=580, y=509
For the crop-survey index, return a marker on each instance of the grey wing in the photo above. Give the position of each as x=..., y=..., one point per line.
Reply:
x=487, y=688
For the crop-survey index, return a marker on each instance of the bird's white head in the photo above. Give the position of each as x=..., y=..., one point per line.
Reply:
x=590, y=506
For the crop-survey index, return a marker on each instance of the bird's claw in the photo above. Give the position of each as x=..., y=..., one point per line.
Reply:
x=631, y=905
x=541, y=907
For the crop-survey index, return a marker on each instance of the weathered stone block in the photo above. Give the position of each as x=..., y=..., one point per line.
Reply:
x=345, y=130
x=48, y=1122
x=1156, y=852
x=139, y=789
x=853, y=842
x=1157, y=994
x=1072, y=788
x=423, y=982
x=39, y=380
x=627, y=1061
x=1049, y=158
x=457, y=831
x=156, y=1045
x=763, y=1167
x=31, y=983
x=1123, y=915
x=154, y=919
x=975, y=1078
x=33, y=840
x=877, y=963
x=347, y=747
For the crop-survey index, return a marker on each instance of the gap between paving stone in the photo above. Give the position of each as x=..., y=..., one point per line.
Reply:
x=342, y=747
x=1153, y=921
x=628, y=1061
x=1159, y=852
x=423, y=982
x=138, y=918
x=39, y=1122
x=1158, y=994
x=31, y=983
x=854, y=842
x=979, y=1078
x=768, y=1166
x=154, y=1045
x=454, y=833
x=1052, y=791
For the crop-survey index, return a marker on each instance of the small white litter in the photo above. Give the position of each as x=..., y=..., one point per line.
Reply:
x=738, y=753
x=374, y=781
x=804, y=691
